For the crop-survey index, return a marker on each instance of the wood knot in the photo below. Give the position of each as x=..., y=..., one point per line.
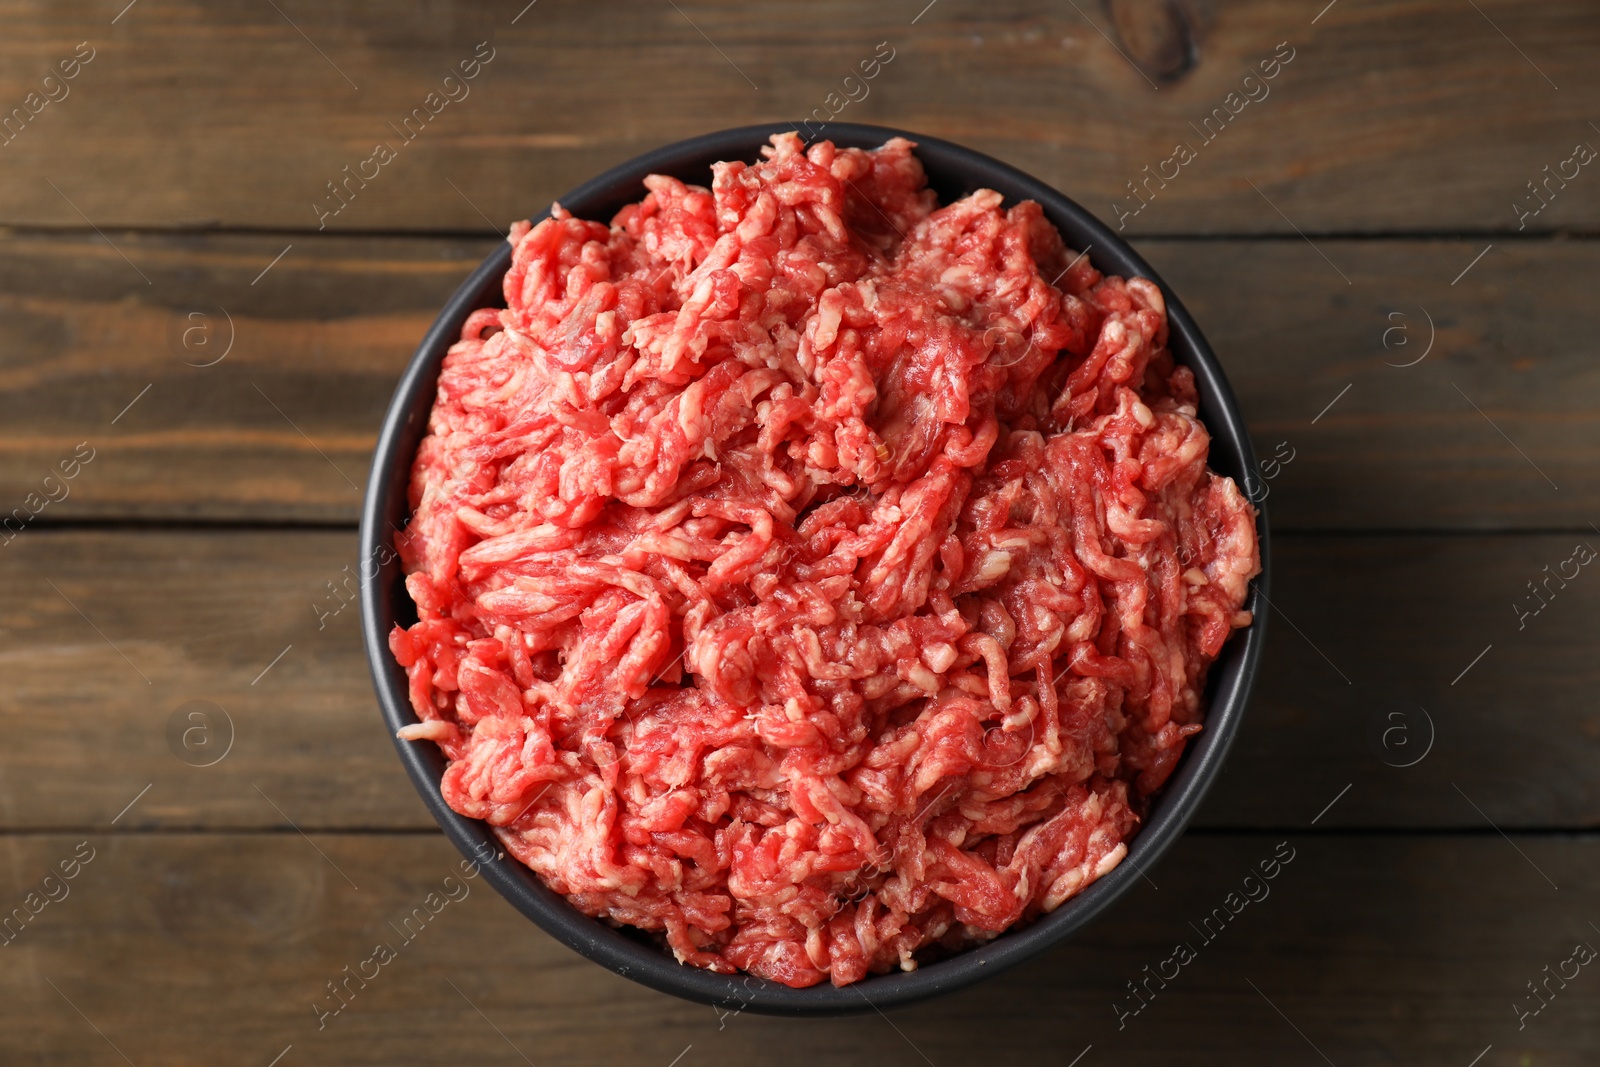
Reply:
x=1161, y=36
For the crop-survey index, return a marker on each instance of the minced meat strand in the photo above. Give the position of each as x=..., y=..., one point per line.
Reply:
x=816, y=576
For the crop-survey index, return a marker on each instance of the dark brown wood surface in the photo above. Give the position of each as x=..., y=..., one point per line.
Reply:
x=1352, y=245
x=1505, y=398
x=1421, y=116
x=1358, y=651
x=214, y=948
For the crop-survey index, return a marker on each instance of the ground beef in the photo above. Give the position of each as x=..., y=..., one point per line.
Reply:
x=819, y=577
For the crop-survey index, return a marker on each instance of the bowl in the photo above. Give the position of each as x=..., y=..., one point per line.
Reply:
x=953, y=171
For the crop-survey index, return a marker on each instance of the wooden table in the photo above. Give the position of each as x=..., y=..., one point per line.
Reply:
x=211, y=367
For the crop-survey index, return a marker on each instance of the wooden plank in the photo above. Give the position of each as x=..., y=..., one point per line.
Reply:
x=1430, y=116
x=216, y=391
x=282, y=427
x=1380, y=675
x=110, y=635
x=113, y=637
x=1426, y=395
x=214, y=948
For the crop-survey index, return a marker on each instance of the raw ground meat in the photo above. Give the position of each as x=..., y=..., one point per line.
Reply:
x=819, y=577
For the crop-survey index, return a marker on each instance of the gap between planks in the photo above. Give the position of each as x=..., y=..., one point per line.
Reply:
x=17, y=230
x=1580, y=832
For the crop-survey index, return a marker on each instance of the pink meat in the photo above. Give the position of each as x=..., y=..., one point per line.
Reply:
x=817, y=576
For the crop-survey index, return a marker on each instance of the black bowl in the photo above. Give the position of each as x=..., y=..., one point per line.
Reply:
x=953, y=172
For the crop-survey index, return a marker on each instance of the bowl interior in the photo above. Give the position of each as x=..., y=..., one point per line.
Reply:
x=953, y=172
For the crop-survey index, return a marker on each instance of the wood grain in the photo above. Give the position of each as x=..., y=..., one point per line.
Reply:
x=169, y=617
x=110, y=636
x=185, y=949
x=282, y=427
x=1426, y=748
x=1422, y=116
x=264, y=397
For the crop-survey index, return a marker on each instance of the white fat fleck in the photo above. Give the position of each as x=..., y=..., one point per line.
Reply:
x=432, y=730
x=995, y=566
x=1110, y=860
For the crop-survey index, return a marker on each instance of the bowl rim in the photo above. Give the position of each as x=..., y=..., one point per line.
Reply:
x=384, y=601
